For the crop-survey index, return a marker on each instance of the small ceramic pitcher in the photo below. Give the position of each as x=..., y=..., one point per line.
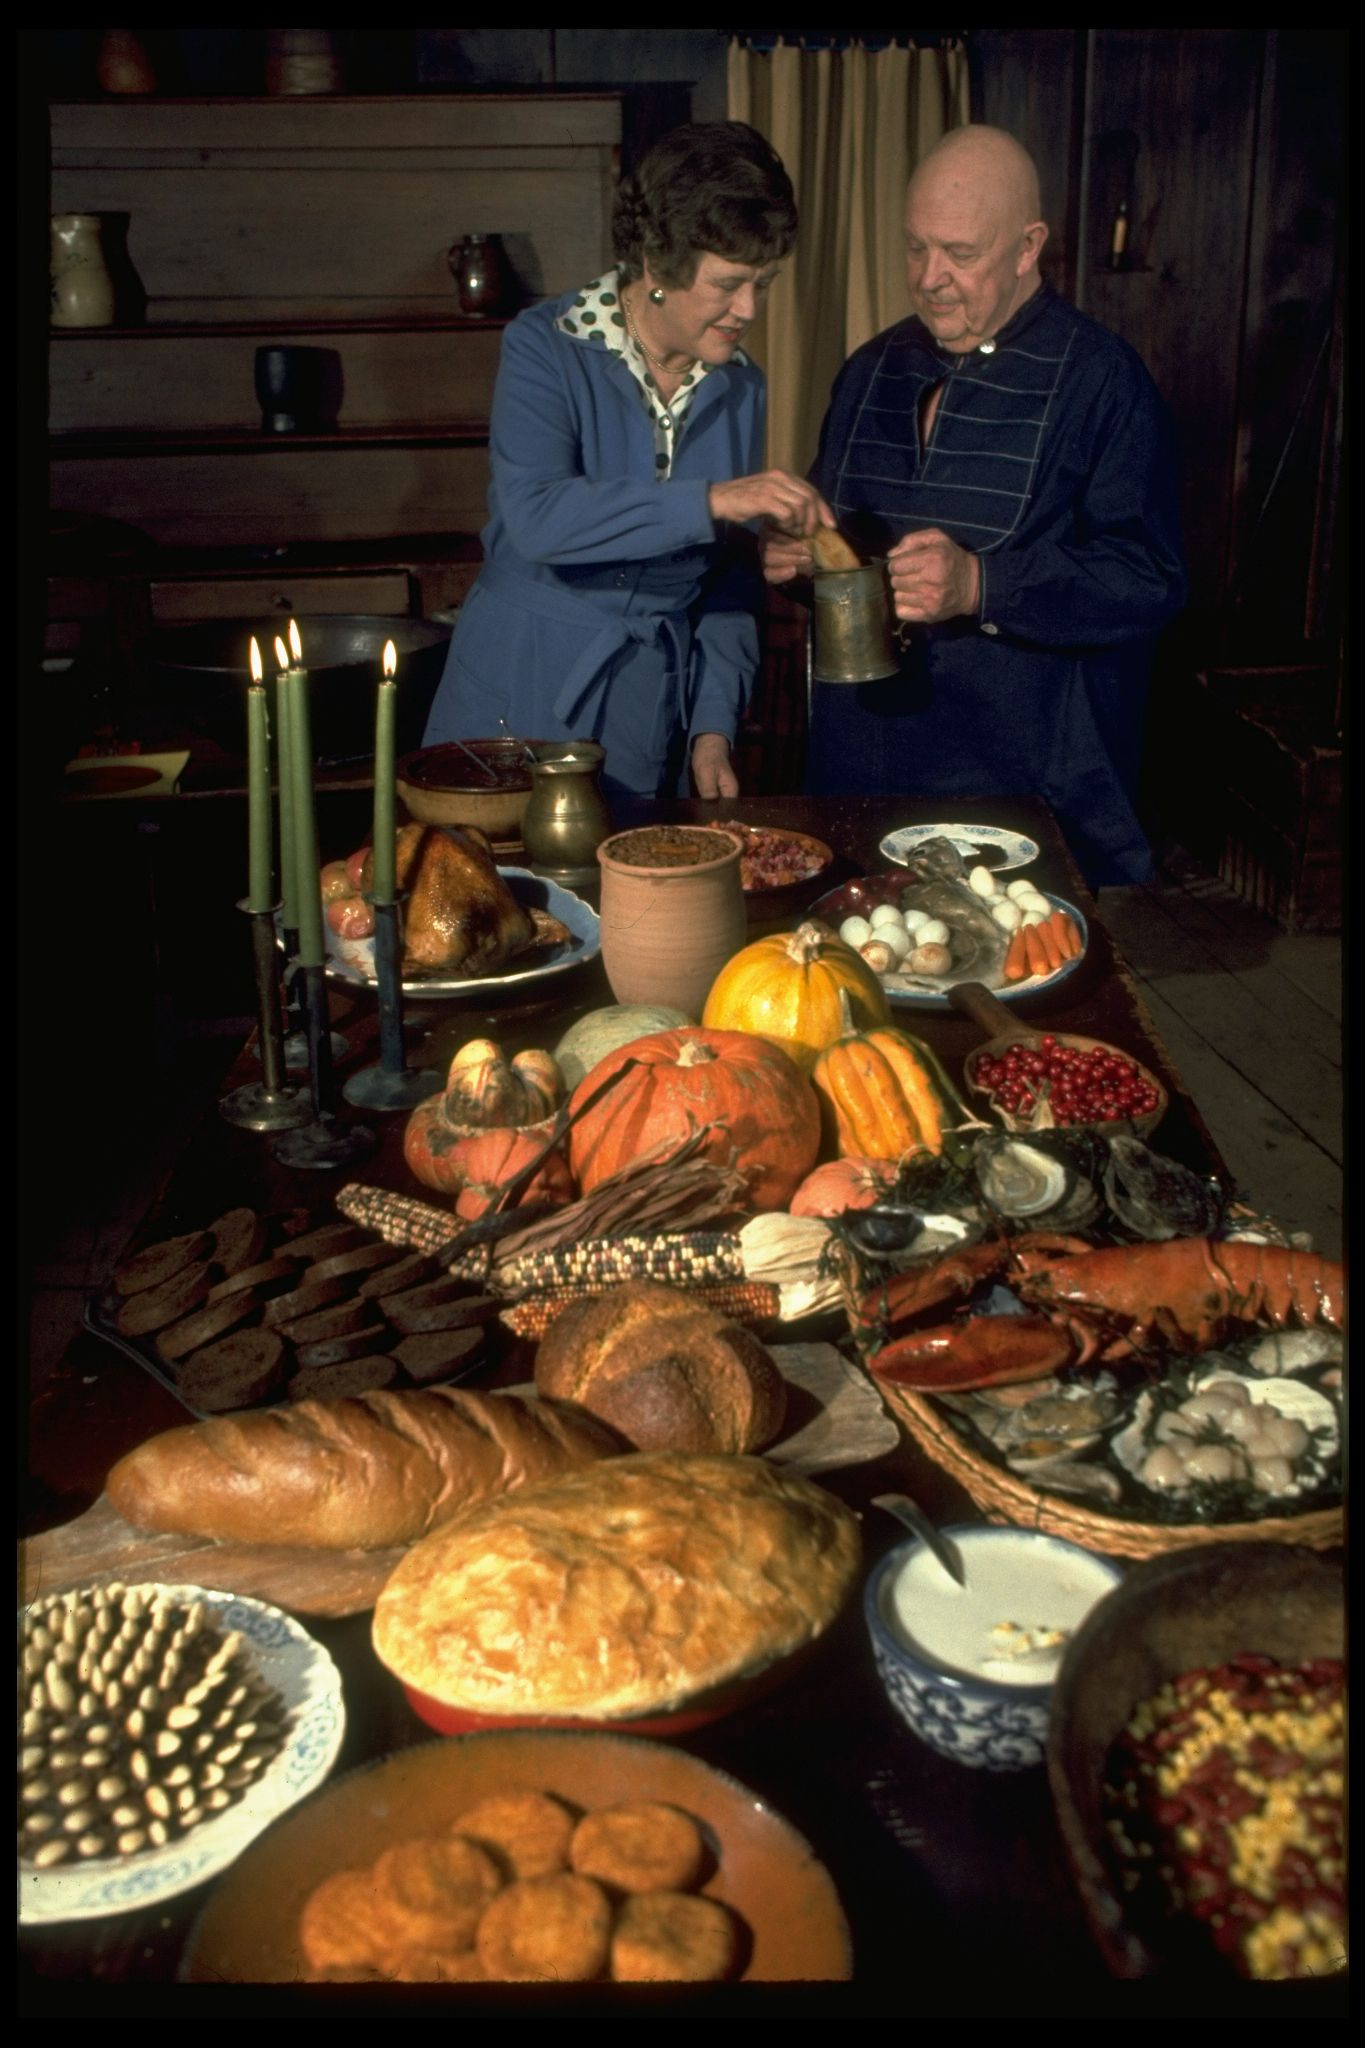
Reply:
x=672, y=912
x=82, y=288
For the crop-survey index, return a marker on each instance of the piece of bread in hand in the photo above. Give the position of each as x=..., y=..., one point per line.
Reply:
x=832, y=552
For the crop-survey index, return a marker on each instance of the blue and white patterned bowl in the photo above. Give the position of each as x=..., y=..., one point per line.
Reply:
x=974, y=1720
x=300, y=1670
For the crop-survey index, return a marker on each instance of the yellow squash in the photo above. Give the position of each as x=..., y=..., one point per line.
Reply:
x=885, y=1095
x=800, y=989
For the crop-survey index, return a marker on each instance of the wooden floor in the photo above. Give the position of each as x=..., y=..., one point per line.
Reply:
x=1250, y=1015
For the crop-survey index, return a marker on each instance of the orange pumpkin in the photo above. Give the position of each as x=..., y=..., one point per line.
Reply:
x=843, y=1184
x=885, y=1094
x=787, y=988
x=485, y=1161
x=762, y=1112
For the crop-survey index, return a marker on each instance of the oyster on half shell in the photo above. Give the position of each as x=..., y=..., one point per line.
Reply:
x=1157, y=1197
x=1025, y=1180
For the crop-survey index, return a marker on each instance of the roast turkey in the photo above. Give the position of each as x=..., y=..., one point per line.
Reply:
x=461, y=917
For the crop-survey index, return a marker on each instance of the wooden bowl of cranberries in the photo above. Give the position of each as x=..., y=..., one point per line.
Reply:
x=1045, y=1080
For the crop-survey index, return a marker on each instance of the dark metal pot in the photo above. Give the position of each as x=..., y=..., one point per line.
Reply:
x=201, y=672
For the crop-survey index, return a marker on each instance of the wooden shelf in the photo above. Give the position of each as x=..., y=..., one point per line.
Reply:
x=251, y=441
x=288, y=323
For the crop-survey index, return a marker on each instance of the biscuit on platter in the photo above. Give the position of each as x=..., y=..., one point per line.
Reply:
x=546, y=1930
x=430, y=1893
x=337, y=1926
x=641, y=1845
x=673, y=1938
x=530, y=1831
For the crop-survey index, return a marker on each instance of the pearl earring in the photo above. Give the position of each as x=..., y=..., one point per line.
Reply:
x=656, y=296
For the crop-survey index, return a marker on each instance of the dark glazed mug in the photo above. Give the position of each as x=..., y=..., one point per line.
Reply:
x=290, y=384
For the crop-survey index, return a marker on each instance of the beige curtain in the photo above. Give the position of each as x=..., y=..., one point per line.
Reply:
x=850, y=125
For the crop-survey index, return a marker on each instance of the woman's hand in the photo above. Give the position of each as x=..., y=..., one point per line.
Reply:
x=779, y=497
x=711, y=766
x=784, y=558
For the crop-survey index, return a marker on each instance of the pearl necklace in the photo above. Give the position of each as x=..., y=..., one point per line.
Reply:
x=634, y=335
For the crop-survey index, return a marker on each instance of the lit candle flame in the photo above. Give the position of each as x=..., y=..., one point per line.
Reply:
x=256, y=670
x=295, y=644
x=390, y=663
x=281, y=655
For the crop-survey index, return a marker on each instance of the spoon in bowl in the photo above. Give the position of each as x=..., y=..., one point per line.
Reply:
x=528, y=751
x=913, y=1516
x=482, y=766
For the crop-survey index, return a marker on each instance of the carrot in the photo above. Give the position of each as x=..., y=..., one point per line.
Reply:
x=1051, y=947
x=1073, y=935
x=1016, y=959
x=1034, y=950
x=1056, y=928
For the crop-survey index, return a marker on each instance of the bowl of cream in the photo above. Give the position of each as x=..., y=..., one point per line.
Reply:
x=970, y=1668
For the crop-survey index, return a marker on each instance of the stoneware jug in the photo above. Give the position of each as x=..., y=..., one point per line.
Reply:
x=82, y=288
x=672, y=912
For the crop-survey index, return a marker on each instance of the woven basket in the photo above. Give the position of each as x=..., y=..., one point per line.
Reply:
x=1004, y=1498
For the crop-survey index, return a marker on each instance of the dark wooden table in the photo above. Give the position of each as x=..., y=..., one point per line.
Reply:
x=953, y=1880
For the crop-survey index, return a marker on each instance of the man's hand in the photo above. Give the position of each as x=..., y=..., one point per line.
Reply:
x=784, y=558
x=711, y=768
x=932, y=578
x=777, y=496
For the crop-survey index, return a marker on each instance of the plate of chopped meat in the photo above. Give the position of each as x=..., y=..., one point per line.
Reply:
x=774, y=859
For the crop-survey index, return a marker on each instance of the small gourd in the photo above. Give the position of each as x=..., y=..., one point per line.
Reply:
x=486, y=1089
x=792, y=988
x=885, y=1094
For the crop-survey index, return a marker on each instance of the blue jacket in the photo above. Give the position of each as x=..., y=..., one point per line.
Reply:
x=609, y=606
x=1052, y=458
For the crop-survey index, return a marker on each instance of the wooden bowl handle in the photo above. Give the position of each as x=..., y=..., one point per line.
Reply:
x=974, y=1000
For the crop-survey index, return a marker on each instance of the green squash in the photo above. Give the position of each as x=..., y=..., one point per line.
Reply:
x=602, y=1031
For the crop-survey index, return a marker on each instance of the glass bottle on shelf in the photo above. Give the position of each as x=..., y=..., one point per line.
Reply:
x=479, y=267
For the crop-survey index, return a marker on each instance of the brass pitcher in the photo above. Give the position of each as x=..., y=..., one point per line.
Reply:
x=566, y=817
x=854, y=642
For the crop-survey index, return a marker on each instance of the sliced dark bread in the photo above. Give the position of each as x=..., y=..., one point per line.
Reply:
x=337, y=1382
x=439, y=1355
x=440, y=1305
x=343, y=1320
x=236, y=1372
x=270, y=1277
x=304, y=1300
x=205, y=1325
x=338, y=1350
x=240, y=1239
x=364, y=1259
x=410, y=1272
x=327, y=1242
x=158, y=1263
x=153, y=1308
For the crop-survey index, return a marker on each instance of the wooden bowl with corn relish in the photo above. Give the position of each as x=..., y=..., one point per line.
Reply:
x=1186, y=1612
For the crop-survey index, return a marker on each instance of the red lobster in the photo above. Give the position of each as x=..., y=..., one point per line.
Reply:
x=1084, y=1304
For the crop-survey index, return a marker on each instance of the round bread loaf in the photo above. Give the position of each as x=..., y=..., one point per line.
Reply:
x=664, y=1371
x=625, y=1589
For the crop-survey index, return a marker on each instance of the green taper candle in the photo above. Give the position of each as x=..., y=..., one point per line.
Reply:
x=308, y=886
x=260, y=892
x=386, y=706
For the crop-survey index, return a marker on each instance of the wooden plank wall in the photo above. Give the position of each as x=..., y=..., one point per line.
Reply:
x=1229, y=146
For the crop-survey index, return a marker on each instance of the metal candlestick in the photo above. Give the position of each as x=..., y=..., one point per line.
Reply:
x=391, y=1083
x=322, y=1142
x=269, y=1104
x=296, y=1041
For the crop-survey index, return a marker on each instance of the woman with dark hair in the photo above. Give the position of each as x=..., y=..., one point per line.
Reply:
x=619, y=594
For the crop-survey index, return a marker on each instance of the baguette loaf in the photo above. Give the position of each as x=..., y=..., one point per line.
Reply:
x=361, y=1474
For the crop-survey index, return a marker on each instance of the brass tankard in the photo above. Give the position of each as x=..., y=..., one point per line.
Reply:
x=854, y=639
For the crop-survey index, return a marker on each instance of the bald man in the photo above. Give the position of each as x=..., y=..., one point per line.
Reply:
x=1013, y=462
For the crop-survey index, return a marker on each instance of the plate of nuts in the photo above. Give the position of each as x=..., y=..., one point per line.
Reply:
x=161, y=1728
